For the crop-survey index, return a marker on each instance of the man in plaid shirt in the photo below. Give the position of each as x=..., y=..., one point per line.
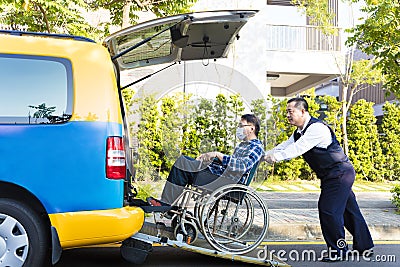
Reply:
x=206, y=171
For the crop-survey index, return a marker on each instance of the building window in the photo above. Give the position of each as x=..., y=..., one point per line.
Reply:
x=280, y=2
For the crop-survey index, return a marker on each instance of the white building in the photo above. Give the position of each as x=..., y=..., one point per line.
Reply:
x=277, y=53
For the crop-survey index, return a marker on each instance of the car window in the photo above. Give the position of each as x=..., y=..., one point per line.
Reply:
x=35, y=90
x=159, y=46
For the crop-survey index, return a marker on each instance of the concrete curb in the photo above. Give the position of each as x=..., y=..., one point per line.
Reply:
x=384, y=225
x=300, y=232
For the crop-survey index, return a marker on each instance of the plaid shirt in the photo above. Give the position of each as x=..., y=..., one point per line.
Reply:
x=246, y=154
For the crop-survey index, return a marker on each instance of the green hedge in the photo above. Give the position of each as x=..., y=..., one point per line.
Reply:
x=182, y=124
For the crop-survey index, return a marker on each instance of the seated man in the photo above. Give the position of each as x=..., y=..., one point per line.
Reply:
x=232, y=168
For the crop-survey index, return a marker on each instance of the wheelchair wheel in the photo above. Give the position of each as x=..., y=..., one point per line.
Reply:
x=198, y=210
x=234, y=219
x=221, y=211
x=178, y=217
x=191, y=232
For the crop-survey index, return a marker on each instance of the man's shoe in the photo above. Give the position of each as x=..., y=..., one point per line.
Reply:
x=331, y=259
x=155, y=202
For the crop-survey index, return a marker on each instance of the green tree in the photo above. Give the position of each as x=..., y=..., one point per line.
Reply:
x=129, y=102
x=225, y=115
x=379, y=36
x=123, y=11
x=319, y=14
x=172, y=123
x=284, y=170
x=211, y=125
x=235, y=111
x=273, y=118
x=279, y=130
x=191, y=138
x=390, y=140
x=220, y=125
x=170, y=132
x=52, y=16
x=275, y=128
x=333, y=115
x=259, y=108
x=149, y=161
x=364, y=148
x=358, y=73
x=128, y=95
x=67, y=16
x=200, y=128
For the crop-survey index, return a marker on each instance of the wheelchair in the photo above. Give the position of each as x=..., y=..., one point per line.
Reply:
x=233, y=218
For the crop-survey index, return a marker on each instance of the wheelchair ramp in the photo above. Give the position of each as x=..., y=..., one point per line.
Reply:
x=259, y=256
x=152, y=235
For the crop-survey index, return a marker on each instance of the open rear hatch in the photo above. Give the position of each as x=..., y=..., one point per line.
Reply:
x=194, y=36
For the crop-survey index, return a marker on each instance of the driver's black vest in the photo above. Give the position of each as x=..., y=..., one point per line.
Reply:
x=323, y=160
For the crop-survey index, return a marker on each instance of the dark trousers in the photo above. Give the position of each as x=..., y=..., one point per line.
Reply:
x=338, y=208
x=185, y=171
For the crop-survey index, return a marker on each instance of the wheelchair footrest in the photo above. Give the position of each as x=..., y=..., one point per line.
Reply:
x=147, y=208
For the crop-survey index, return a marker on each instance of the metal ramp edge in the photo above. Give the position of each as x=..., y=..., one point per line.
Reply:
x=270, y=260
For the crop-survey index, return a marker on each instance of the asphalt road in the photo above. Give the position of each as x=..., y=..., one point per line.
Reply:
x=297, y=254
x=161, y=256
x=302, y=255
x=385, y=254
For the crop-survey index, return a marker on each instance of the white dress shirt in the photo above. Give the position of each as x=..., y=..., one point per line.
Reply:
x=317, y=135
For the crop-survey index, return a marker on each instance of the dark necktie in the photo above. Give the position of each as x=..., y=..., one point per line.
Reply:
x=297, y=135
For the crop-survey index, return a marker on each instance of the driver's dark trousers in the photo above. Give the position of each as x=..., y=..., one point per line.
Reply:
x=338, y=208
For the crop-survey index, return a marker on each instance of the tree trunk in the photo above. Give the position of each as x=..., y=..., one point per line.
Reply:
x=125, y=14
x=44, y=16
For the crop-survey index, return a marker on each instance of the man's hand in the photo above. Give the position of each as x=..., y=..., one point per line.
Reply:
x=269, y=158
x=209, y=156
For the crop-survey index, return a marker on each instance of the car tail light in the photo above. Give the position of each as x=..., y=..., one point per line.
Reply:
x=115, y=158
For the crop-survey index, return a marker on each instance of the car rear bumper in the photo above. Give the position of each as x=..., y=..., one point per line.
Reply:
x=76, y=229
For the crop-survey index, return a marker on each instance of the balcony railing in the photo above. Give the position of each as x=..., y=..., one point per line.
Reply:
x=284, y=37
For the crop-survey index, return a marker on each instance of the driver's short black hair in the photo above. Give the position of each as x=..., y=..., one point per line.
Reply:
x=300, y=103
x=251, y=118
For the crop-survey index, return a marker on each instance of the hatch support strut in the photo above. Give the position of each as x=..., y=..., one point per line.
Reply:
x=147, y=76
